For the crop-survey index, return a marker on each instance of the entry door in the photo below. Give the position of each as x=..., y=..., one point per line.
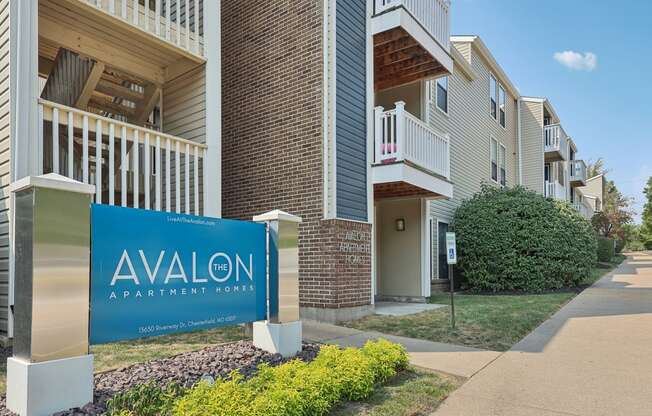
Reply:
x=442, y=229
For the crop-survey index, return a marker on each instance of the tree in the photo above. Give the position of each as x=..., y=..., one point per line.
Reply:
x=646, y=226
x=615, y=215
x=595, y=168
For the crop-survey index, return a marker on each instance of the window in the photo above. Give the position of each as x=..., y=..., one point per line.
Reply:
x=442, y=94
x=503, y=172
x=501, y=101
x=492, y=96
x=494, y=160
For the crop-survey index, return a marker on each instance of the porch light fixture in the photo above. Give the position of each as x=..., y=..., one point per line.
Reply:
x=400, y=224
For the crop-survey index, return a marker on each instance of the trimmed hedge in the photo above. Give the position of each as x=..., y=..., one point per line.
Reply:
x=295, y=388
x=517, y=240
x=606, y=249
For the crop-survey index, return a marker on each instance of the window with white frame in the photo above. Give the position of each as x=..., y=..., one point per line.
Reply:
x=503, y=171
x=502, y=105
x=492, y=96
x=442, y=94
x=494, y=160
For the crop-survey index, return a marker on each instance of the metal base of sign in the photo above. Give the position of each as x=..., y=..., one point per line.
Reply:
x=284, y=339
x=39, y=389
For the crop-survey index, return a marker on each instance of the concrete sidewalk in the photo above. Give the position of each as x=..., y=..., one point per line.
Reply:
x=446, y=358
x=593, y=357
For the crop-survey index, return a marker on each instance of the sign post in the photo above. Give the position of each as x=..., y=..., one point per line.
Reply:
x=451, y=257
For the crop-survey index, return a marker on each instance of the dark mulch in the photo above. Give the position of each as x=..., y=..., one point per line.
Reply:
x=185, y=369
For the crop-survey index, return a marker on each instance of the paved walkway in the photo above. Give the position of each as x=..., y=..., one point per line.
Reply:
x=447, y=358
x=594, y=357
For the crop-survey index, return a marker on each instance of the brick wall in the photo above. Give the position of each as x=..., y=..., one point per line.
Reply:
x=272, y=140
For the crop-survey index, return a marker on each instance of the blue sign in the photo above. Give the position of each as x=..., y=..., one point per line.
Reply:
x=156, y=273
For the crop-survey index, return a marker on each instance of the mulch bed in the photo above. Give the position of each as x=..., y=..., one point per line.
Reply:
x=185, y=369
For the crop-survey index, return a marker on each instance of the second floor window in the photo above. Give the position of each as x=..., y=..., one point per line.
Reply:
x=494, y=160
x=501, y=101
x=503, y=171
x=492, y=96
x=442, y=94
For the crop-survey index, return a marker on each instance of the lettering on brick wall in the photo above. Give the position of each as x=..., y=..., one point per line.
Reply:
x=356, y=247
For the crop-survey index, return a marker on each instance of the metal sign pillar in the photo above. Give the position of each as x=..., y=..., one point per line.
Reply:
x=50, y=370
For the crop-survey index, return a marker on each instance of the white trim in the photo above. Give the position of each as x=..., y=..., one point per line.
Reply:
x=371, y=123
x=401, y=172
x=213, y=154
x=332, y=107
x=520, y=141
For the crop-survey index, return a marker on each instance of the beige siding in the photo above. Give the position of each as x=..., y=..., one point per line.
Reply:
x=532, y=142
x=471, y=126
x=5, y=156
x=184, y=115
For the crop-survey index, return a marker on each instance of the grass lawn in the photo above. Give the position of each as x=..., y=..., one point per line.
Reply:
x=123, y=354
x=409, y=394
x=492, y=322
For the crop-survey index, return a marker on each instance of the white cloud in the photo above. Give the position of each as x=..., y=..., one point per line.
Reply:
x=577, y=61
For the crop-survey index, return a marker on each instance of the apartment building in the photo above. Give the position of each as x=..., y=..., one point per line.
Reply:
x=304, y=132
x=121, y=94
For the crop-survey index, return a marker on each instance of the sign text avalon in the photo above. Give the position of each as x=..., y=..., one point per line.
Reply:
x=155, y=273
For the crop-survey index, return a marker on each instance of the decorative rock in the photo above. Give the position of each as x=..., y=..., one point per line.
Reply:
x=185, y=369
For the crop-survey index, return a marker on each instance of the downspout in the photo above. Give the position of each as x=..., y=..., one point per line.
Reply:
x=520, y=142
x=325, y=110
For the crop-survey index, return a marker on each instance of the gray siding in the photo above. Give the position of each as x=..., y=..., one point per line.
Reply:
x=5, y=165
x=351, y=110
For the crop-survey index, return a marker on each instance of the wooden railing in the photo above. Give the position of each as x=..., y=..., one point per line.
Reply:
x=556, y=140
x=176, y=21
x=400, y=136
x=433, y=15
x=577, y=170
x=555, y=190
x=129, y=165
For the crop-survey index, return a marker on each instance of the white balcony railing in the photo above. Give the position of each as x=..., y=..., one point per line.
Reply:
x=577, y=171
x=400, y=136
x=176, y=21
x=129, y=165
x=583, y=209
x=433, y=15
x=556, y=140
x=555, y=190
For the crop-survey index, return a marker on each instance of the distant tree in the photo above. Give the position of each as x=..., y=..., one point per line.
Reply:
x=646, y=225
x=595, y=168
x=615, y=215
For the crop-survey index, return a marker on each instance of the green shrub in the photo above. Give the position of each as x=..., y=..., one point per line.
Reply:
x=606, y=250
x=517, y=240
x=296, y=388
x=145, y=400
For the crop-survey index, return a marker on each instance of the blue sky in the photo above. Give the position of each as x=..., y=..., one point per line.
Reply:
x=604, y=98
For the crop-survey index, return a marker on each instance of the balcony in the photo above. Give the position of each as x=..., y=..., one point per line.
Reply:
x=129, y=165
x=555, y=190
x=584, y=209
x=411, y=41
x=555, y=143
x=411, y=158
x=157, y=42
x=577, y=173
